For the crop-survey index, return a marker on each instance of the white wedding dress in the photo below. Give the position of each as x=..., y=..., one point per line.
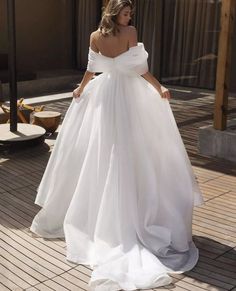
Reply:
x=119, y=185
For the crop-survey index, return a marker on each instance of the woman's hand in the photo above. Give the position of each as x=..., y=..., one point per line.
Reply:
x=165, y=93
x=77, y=92
x=86, y=78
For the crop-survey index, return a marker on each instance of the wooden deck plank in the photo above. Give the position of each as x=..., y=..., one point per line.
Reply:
x=223, y=228
x=25, y=207
x=211, y=218
x=26, y=193
x=36, y=246
x=22, y=193
x=17, y=269
x=206, y=281
x=42, y=287
x=25, y=219
x=55, y=286
x=215, y=212
x=214, y=234
x=217, y=228
x=227, y=258
x=194, y=285
x=3, y=288
x=12, y=277
x=81, y=275
x=14, y=209
x=7, y=283
x=203, y=233
x=228, y=208
x=7, y=256
x=47, y=264
x=32, y=289
x=224, y=266
x=223, y=203
x=217, y=271
x=174, y=288
x=220, y=279
x=21, y=223
x=208, y=244
x=69, y=284
x=83, y=269
x=78, y=280
x=19, y=219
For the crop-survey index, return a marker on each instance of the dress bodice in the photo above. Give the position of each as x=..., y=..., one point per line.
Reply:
x=131, y=62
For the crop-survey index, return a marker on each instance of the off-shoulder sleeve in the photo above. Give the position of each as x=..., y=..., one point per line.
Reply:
x=133, y=61
x=97, y=63
x=91, y=66
x=137, y=59
x=142, y=68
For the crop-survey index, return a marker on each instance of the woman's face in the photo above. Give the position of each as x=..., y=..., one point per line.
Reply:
x=123, y=18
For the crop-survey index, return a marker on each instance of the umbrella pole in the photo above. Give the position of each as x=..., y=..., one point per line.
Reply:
x=12, y=64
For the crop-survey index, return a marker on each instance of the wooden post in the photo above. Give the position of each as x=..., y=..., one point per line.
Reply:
x=223, y=64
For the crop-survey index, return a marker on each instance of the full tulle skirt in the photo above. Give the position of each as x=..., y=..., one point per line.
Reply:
x=119, y=187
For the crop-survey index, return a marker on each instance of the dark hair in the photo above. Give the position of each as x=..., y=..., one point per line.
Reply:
x=108, y=24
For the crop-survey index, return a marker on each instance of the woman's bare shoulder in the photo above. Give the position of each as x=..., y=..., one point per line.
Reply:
x=95, y=34
x=132, y=35
x=130, y=30
x=93, y=39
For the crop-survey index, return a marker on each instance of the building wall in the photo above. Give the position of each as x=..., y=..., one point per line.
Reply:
x=3, y=26
x=43, y=34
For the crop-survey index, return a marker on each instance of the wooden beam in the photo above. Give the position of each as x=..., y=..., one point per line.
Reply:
x=223, y=64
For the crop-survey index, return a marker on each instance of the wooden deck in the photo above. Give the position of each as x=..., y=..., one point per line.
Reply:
x=31, y=263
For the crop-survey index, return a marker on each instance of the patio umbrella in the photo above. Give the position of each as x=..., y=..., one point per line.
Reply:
x=12, y=64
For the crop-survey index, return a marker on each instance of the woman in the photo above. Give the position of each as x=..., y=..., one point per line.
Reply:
x=119, y=185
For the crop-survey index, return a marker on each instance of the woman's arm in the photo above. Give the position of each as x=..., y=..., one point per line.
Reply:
x=87, y=75
x=164, y=92
x=86, y=78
